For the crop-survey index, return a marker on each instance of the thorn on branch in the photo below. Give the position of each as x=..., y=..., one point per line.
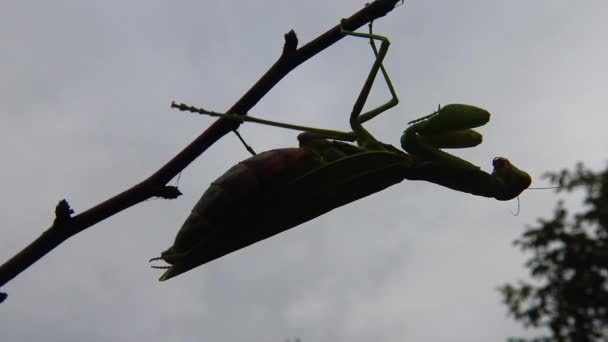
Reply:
x=291, y=43
x=63, y=212
x=168, y=192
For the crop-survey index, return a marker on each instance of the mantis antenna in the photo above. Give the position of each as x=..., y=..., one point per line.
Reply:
x=535, y=188
x=516, y=213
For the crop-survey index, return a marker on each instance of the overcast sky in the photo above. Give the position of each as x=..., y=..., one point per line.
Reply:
x=84, y=100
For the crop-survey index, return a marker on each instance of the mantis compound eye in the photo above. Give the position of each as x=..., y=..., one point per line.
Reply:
x=501, y=163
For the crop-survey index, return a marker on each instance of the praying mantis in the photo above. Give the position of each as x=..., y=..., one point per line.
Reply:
x=279, y=189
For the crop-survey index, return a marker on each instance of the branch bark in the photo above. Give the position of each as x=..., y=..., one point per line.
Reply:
x=66, y=226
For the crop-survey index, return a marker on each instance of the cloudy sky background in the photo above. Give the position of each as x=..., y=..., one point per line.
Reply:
x=84, y=102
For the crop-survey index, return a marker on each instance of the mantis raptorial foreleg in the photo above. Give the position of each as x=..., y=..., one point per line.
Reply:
x=448, y=127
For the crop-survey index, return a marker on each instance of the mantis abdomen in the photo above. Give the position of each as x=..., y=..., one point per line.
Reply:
x=275, y=191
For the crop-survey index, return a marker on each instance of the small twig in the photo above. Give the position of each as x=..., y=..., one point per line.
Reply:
x=291, y=43
x=168, y=192
x=63, y=213
x=289, y=60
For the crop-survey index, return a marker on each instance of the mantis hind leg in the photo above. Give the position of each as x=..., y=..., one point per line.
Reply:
x=357, y=118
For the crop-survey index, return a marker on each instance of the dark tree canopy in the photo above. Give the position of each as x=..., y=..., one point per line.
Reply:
x=569, y=265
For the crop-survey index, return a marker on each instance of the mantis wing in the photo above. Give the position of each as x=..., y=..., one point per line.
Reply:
x=290, y=202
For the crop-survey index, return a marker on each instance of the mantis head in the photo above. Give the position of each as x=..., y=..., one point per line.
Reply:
x=514, y=181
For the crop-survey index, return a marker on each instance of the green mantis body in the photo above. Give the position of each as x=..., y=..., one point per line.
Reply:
x=280, y=189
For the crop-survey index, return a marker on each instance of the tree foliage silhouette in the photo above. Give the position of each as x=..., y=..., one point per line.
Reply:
x=569, y=265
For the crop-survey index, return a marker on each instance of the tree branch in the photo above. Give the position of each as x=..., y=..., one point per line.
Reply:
x=66, y=226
